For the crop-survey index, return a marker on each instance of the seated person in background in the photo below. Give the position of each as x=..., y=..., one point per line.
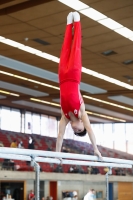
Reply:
x=75, y=195
x=95, y=170
x=84, y=152
x=20, y=145
x=5, y=164
x=14, y=144
x=116, y=171
x=1, y=144
x=31, y=195
x=49, y=198
x=4, y=197
x=106, y=169
x=67, y=195
x=90, y=195
x=76, y=170
x=49, y=149
x=30, y=146
x=81, y=170
x=64, y=150
x=71, y=170
x=122, y=172
x=58, y=169
x=8, y=164
x=31, y=143
x=89, y=168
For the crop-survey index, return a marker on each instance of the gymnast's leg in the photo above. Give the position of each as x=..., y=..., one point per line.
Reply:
x=75, y=60
x=66, y=48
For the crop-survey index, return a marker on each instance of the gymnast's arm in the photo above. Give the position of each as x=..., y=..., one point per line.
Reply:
x=62, y=127
x=86, y=122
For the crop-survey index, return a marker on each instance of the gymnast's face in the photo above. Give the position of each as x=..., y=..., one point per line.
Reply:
x=77, y=126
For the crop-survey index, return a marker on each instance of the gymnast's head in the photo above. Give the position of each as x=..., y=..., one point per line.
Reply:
x=78, y=128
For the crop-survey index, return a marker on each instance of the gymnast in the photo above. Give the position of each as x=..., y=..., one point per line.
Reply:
x=70, y=66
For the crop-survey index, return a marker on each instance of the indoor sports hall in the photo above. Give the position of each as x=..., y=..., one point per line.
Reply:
x=63, y=138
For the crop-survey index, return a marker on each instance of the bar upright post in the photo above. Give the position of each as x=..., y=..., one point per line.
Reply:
x=37, y=177
x=37, y=181
x=107, y=183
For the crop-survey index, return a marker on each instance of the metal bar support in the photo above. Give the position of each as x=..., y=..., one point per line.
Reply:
x=107, y=183
x=37, y=177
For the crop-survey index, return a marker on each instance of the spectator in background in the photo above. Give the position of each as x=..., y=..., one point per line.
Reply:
x=1, y=144
x=122, y=171
x=89, y=168
x=58, y=169
x=31, y=195
x=95, y=170
x=4, y=197
x=76, y=170
x=106, y=169
x=49, y=198
x=64, y=150
x=20, y=145
x=30, y=146
x=8, y=164
x=90, y=195
x=71, y=170
x=67, y=195
x=75, y=195
x=14, y=144
x=84, y=152
x=31, y=143
x=81, y=170
x=49, y=149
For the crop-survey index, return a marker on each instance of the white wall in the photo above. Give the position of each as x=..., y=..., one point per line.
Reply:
x=29, y=186
x=46, y=188
x=115, y=190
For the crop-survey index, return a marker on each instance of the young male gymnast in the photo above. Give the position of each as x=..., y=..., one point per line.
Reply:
x=70, y=66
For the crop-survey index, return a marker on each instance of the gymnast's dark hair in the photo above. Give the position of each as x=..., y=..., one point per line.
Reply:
x=81, y=134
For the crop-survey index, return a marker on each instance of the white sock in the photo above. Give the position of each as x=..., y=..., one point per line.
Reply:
x=70, y=18
x=76, y=16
